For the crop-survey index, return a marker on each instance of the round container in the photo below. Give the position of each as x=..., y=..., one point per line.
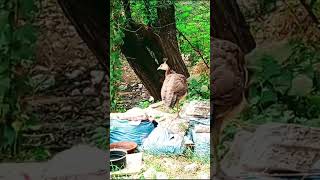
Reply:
x=129, y=147
x=118, y=159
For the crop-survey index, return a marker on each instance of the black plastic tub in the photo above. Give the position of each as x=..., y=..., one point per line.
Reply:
x=118, y=159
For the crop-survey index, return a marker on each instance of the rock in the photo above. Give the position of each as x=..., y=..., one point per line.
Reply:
x=151, y=99
x=85, y=82
x=79, y=162
x=150, y=173
x=316, y=166
x=77, y=83
x=195, y=108
x=134, y=114
x=43, y=81
x=89, y=91
x=66, y=109
x=161, y=175
x=275, y=147
x=74, y=74
x=200, y=128
x=140, y=86
x=123, y=87
x=96, y=76
x=75, y=92
x=40, y=68
x=191, y=167
x=203, y=176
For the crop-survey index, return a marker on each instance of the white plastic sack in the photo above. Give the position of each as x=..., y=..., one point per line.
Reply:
x=160, y=142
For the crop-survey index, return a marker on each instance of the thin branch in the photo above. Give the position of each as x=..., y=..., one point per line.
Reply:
x=127, y=10
x=293, y=14
x=308, y=8
x=194, y=48
x=148, y=11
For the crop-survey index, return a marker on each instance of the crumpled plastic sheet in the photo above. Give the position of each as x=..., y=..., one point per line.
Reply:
x=201, y=140
x=161, y=142
x=124, y=130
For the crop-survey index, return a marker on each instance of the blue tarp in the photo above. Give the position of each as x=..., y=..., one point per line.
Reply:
x=124, y=130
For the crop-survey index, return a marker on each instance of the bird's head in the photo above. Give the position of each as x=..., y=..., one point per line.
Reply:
x=164, y=66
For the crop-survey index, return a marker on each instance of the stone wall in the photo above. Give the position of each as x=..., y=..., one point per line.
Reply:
x=70, y=101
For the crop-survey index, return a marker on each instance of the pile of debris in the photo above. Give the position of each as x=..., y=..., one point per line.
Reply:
x=79, y=162
x=275, y=150
x=161, y=133
x=69, y=99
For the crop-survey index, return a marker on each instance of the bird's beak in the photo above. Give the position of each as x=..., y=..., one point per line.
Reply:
x=158, y=68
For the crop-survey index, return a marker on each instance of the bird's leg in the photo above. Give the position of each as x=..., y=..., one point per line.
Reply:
x=178, y=109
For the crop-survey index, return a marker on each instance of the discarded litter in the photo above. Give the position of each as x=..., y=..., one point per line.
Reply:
x=123, y=130
x=161, y=141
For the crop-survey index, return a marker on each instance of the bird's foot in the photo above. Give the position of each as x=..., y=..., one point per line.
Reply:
x=177, y=115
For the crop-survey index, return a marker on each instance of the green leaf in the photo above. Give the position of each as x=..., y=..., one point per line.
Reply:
x=27, y=7
x=282, y=83
x=5, y=37
x=4, y=110
x=4, y=18
x=4, y=65
x=17, y=125
x=26, y=34
x=314, y=100
x=301, y=85
x=270, y=67
x=9, y=136
x=4, y=83
x=268, y=96
x=204, y=88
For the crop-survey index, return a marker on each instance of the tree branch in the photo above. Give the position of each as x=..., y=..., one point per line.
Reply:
x=194, y=48
x=127, y=10
x=148, y=12
x=308, y=8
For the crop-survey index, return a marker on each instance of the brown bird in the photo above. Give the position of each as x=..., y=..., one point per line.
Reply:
x=229, y=79
x=174, y=87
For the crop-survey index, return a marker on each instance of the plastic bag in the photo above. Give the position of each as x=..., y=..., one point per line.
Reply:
x=124, y=130
x=160, y=142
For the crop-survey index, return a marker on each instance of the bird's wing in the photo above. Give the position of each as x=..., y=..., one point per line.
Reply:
x=227, y=82
x=180, y=86
x=175, y=87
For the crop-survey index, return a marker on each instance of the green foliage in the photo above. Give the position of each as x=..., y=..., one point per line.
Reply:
x=193, y=20
x=40, y=154
x=99, y=137
x=199, y=87
x=287, y=92
x=117, y=21
x=17, y=44
x=142, y=14
x=267, y=5
x=144, y=104
x=283, y=90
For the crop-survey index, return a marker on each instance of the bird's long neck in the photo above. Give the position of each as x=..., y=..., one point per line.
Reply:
x=169, y=71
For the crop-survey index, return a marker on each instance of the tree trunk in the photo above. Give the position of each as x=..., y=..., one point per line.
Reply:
x=168, y=34
x=137, y=43
x=228, y=23
x=89, y=19
x=145, y=47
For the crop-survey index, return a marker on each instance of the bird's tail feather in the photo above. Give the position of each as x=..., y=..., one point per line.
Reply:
x=172, y=101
